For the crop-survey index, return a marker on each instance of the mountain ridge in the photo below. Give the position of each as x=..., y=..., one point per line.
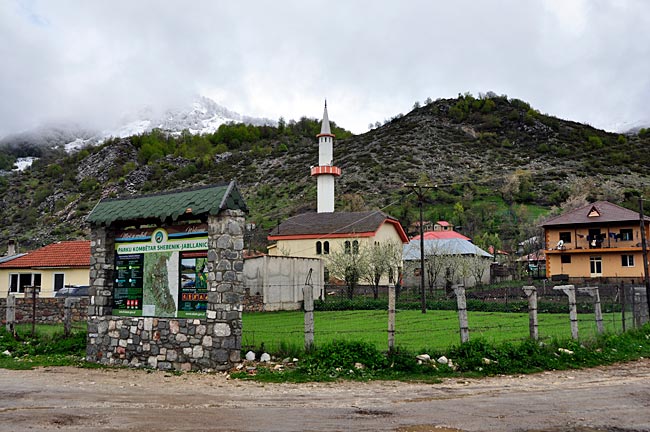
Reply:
x=498, y=164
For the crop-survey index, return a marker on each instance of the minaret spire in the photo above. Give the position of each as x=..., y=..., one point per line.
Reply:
x=325, y=172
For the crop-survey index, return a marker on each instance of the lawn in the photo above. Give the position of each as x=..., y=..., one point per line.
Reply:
x=433, y=331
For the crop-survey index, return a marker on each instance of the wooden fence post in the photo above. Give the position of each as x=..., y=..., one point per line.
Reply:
x=531, y=293
x=570, y=291
x=459, y=290
x=391, y=317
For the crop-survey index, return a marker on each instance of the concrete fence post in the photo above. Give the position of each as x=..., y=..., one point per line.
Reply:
x=67, y=314
x=308, y=306
x=391, y=317
x=11, y=314
x=459, y=290
x=640, y=306
x=593, y=293
x=531, y=293
x=570, y=291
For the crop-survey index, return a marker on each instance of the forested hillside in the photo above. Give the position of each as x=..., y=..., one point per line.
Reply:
x=498, y=165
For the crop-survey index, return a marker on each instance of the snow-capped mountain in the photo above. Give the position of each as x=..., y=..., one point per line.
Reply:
x=202, y=115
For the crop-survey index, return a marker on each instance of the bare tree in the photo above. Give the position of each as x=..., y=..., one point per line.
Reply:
x=348, y=263
x=381, y=258
x=478, y=265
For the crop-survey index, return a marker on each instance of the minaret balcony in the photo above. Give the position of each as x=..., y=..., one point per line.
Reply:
x=325, y=169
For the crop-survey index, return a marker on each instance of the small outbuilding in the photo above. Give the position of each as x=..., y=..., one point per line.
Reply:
x=166, y=281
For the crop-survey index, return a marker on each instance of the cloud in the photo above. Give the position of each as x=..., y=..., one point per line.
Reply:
x=91, y=62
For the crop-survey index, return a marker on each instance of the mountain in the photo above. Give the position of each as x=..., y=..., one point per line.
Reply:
x=497, y=165
x=201, y=116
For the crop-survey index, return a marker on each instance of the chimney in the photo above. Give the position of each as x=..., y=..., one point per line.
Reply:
x=11, y=247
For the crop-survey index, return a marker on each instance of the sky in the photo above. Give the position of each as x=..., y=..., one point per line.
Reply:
x=91, y=61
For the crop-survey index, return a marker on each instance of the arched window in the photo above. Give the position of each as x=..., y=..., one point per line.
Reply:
x=319, y=248
x=347, y=246
x=326, y=247
x=355, y=247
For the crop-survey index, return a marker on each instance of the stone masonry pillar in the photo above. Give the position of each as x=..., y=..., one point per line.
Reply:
x=225, y=284
x=102, y=261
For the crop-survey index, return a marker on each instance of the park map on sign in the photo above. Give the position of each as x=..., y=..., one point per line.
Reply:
x=156, y=284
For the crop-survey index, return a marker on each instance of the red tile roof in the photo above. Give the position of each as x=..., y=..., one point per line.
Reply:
x=75, y=253
x=438, y=235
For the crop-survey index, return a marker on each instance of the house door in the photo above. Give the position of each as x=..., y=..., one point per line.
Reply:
x=596, y=264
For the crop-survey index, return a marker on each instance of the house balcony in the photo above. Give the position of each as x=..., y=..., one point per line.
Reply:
x=599, y=247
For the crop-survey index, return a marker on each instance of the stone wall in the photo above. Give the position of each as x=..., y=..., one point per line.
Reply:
x=48, y=310
x=180, y=344
x=171, y=343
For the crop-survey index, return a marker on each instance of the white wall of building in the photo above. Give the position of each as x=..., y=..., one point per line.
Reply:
x=280, y=280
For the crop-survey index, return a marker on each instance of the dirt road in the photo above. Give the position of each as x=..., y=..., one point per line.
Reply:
x=614, y=398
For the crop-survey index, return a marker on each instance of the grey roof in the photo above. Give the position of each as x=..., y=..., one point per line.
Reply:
x=335, y=223
x=452, y=246
x=10, y=257
x=600, y=211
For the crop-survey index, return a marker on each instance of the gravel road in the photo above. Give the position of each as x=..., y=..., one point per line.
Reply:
x=612, y=398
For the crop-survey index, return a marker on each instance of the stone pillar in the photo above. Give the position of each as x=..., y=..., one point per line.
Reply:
x=570, y=291
x=531, y=293
x=225, y=285
x=593, y=293
x=102, y=263
x=459, y=290
x=308, y=306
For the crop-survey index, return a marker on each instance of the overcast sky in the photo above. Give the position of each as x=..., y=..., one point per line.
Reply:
x=91, y=61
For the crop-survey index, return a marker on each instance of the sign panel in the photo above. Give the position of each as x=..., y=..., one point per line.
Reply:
x=161, y=273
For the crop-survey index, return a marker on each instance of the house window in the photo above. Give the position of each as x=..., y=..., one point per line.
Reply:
x=565, y=236
x=319, y=248
x=565, y=259
x=347, y=247
x=326, y=247
x=596, y=266
x=59, y=281
x=355, y=247
x=627, y=234
x=627, y=260
x=18, y=281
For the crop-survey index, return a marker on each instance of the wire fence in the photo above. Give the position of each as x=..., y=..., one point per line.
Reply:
x=498, y=315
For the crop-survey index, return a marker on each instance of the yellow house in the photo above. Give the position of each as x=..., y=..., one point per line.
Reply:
x=51, y=268
x=599, y=240
x=316, y=235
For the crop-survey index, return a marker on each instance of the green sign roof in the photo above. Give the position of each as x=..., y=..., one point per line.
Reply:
x=169, y=206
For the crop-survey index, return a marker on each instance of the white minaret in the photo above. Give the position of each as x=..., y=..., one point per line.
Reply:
x=325, y=171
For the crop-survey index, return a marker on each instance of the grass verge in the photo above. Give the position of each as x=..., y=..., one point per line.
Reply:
x=363, y=361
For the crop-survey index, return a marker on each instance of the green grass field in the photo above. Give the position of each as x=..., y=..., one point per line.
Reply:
x=433, y=331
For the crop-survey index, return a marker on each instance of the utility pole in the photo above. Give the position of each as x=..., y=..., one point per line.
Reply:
x=420, y=191
x=644, y=248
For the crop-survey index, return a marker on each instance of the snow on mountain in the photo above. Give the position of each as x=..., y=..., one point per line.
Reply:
x=200, y=116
